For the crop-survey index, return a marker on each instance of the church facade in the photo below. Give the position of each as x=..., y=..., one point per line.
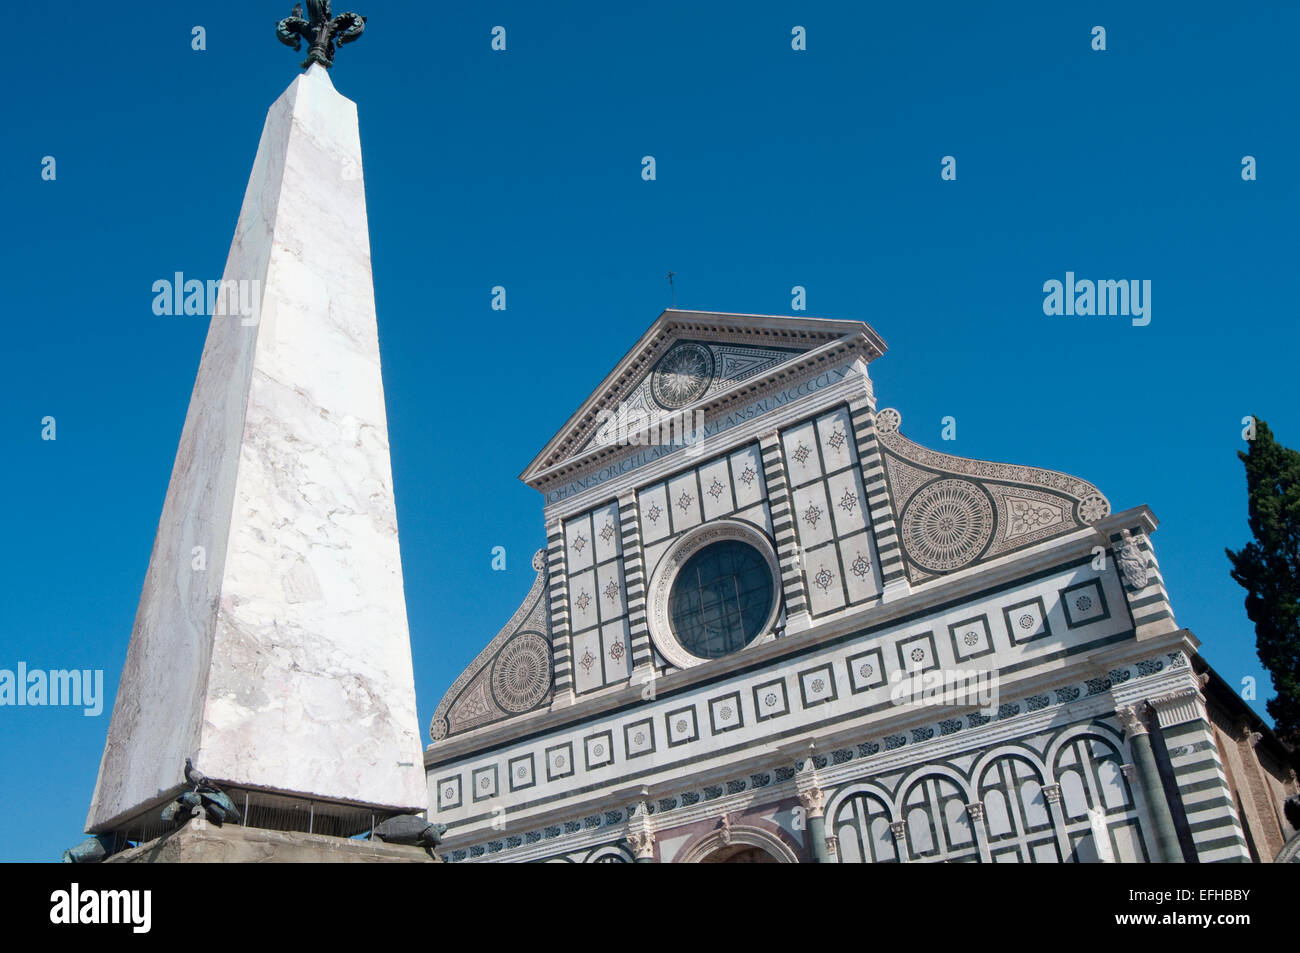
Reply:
x=769, y=627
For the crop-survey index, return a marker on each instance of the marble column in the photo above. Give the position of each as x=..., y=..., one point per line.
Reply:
x=1153, y=788
x=813, y=801
x=271, y=641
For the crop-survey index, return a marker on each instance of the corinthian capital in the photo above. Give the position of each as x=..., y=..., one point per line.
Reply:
x=814, y=801
x=642, y=844
x=1130, y=719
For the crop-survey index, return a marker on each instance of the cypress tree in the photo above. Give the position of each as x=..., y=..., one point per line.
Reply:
x=1268, y=568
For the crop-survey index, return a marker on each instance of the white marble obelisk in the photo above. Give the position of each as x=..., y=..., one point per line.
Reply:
x=278, y=655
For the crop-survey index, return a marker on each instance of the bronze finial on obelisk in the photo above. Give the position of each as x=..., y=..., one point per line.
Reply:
x=320, y=29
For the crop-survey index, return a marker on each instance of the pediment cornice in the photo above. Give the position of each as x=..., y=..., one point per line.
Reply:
x=810, y=341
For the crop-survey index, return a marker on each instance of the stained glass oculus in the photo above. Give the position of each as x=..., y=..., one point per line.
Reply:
x=720, y=599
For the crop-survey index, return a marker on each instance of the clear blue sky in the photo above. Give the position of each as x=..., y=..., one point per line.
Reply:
x=775, y=168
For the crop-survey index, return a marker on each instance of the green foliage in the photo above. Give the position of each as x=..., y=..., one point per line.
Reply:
x=1268, y=568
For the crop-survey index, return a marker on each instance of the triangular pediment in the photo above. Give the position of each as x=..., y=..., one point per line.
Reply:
x=688, y=360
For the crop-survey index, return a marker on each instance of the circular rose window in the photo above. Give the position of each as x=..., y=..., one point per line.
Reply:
x=720, y=599
x=715, y=591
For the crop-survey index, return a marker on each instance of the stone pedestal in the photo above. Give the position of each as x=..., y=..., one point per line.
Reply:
x=199, y=842
x=271, y=641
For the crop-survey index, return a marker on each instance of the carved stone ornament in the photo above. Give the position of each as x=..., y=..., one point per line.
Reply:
x=888, y=420
x=1132, y=561
x=1248, y=734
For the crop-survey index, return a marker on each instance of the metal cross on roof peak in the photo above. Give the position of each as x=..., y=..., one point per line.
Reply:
x=321, y=29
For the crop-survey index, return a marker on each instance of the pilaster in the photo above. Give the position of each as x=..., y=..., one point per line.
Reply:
x=561, y=642
x=787, y=547
x=899, y=830
x=975, y=811
x=884, y=527
x=1144, y=587
x=634, y=576
x=1052, y=795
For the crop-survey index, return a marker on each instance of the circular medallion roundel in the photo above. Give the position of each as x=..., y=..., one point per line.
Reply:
x=522, y=673
x=682, y=375
x=1093, y=507
x=888, y=420
x=947, y=524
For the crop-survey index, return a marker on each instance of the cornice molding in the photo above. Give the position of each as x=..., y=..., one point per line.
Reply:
x=814, y=335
